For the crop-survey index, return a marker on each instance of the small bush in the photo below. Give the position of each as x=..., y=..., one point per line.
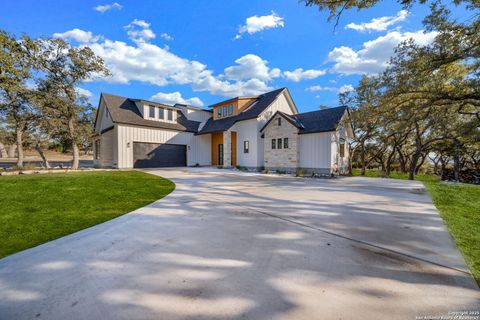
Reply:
x=300, y=173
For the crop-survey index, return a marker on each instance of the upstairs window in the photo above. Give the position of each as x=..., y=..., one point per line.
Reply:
x=279, y=143
x=219, y=112
x=274, y=143
x=246, y=146
x=170, y=114
x=285, y=143
x=342, y=148
x=161, y=113
x=224, y=111
x=230, y=109
x=279, y=121
x=151, y=111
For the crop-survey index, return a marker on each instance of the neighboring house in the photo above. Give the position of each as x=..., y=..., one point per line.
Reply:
x=135, y=133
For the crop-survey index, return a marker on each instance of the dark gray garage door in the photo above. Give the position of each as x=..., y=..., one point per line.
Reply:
x=154, y=155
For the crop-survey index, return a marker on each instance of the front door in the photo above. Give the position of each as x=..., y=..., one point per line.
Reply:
x=220, y=154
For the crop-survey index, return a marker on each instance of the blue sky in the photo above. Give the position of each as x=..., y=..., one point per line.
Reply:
x=201, y=52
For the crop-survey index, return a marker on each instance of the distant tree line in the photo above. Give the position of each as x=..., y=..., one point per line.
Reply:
x=425, y=107
x=40, y=104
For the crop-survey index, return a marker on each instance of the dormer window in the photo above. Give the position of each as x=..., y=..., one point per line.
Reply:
x=151, y=112
x=161, y=113
x=219, y=112
x=170, y=114
x=230, y=109
x=224, y=111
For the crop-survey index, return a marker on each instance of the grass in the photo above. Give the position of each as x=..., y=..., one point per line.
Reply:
x=38, y=208
x=459, y=207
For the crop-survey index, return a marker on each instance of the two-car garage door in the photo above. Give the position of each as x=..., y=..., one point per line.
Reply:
x=155, y=155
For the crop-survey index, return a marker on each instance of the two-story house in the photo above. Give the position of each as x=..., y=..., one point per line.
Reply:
x=264, y=131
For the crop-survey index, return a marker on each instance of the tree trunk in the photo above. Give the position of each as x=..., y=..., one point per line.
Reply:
x=456, y=159
x=11, y=150
x=388, y=167
x=413, y=167
x=362, y=159
x=19, y=137
x=39, y=149
x=401, y=160
x=350, y=158
x=3, y=152
x=417, y=169
x=76, y=154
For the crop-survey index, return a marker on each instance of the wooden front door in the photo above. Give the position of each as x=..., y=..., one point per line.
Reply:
x=220, y=154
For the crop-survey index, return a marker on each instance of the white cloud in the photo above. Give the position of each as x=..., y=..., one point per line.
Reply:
x=299, y=74
x=166, y=36
x=149, y=63
x=77, y=35
x=176, y=97
x=146, y=62
x=106, y=7
x=256, y=24
x=342, y=89
x=139, y=31
x=321, y=88
x=251, y=66
x=346, y=88
x=375, y=54
x=378, y=24
x=84, y=92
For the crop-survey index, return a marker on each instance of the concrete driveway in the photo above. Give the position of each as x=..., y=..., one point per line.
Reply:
x=247, y=246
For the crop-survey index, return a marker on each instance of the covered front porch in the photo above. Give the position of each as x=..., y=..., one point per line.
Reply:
x=224, y=148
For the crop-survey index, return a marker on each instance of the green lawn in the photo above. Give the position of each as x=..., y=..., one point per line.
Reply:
x=38, y=208
x=459, y=206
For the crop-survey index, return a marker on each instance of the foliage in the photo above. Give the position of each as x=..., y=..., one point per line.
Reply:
x=59, y=204
x=39, y=100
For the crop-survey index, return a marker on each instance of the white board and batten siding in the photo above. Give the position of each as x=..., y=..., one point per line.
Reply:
x=247, y=131
x=198, y=147
x=316, y=150
x=196, y=115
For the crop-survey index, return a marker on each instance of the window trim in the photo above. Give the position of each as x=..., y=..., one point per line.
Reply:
x=274, y=143
x=246, y=146
x=279, y=143
x=285, y=143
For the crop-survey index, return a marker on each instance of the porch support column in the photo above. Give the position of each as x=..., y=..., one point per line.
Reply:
x=227, y=149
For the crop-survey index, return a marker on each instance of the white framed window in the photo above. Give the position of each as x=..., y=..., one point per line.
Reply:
x=341, y=150
x=161, y=113
x=170, y=114
x=246, y=146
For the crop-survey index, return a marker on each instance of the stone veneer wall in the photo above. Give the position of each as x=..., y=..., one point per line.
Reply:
x=281, y=159
x=227, y=149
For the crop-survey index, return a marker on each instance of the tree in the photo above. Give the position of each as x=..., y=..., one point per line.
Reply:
x=65, y=68
x=16, y=63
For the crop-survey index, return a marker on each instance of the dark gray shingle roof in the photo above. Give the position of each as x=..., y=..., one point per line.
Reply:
x=251, y=112
x=123, y=110
x=321, y=120
x=314, y=121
